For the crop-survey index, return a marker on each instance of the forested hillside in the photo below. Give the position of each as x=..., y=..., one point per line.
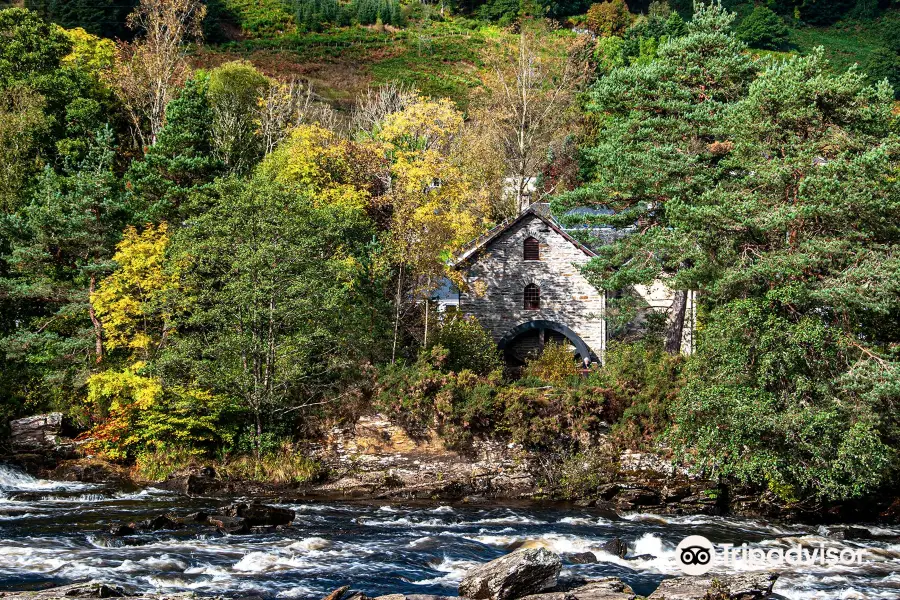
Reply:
x=212, y=217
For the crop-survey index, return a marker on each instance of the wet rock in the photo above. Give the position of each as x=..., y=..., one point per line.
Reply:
x=609, y=490
x=580, y=558
x=414, y=597
x=195, y=517
x=91, y=470
x=260, y=514
x=616, y=547
x=122, y=530
x=608, y=588
x=337, y=594
x=641, y=557
x=632, y=498
x=194, y=481
x=518, y=574
x=847, y=532
x=749, y=586
x=91, y=589
x=230, y=525
x=160, y=522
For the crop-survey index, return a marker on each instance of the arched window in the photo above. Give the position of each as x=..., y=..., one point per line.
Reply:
x=532, y=297
x=532, y=249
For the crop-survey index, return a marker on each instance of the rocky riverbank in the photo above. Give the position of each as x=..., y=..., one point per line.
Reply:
x=375, y=459
x=527, y=574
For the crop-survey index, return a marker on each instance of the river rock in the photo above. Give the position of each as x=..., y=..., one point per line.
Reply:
x=747, y=586
x=121, y=530
x=230, y=525
x=260, y=514
x=91, y=470
x=160, y=522
x=193, y=481
x=608, y=588
x=337, y=594
x=616, y=547
x=518, y=574
x=580, y=558
x=847, y=532
x=37, y=433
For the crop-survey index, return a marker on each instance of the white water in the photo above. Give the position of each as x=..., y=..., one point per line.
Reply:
x=61, y=537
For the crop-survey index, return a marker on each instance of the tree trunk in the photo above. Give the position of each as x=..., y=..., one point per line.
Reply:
x=397, y=316
x=675, y=331
x=98, y=327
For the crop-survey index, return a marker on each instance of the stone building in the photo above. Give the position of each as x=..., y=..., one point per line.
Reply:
x=524, y=285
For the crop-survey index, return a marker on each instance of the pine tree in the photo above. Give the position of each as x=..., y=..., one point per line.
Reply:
x=180, y=161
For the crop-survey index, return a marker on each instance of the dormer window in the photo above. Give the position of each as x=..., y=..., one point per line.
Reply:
x=532, y=297
x=532, y=249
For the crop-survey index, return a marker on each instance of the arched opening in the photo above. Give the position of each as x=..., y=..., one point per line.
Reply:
x=531, y=297
x=528, y=340
x=532, y=249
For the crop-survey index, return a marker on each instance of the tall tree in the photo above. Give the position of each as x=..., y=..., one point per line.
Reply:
x=796, y=386
x=659, y=140
x=275, y=319
x=150, y=70
x=181, y=160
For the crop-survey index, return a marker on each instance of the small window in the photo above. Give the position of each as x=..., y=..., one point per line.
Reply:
x=532, y=297
x=532, y=249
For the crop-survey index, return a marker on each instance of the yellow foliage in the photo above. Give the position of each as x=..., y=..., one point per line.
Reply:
x=89, y=52
x=131, y=302
x=435, y=206
x=315, y=160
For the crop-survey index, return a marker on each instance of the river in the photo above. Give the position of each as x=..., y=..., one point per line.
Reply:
x=52, y=533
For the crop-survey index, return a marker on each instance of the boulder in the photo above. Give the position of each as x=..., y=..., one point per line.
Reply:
x=193, y=481
x=616, y=547
x=121, y=530
x=38, y=433
x=91, y=470
x=608, y=588
x=746, y=586
x=580, y=558
x=337, y=594
x=848, y=532
x=515, y=575
x=260, y=514
x=157, y=523
x=229, y=525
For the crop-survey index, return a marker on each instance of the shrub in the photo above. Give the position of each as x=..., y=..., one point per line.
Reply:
x=609, y=18
x=468, y=345
x=763, y=29
x=580, y=474
x=556, y=364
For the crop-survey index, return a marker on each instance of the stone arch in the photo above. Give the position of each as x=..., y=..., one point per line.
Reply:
x=580, y=347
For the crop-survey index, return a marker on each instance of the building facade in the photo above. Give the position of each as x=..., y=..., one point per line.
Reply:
x=524, y=285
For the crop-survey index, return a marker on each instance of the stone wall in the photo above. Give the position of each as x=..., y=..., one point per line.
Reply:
x=496, y=282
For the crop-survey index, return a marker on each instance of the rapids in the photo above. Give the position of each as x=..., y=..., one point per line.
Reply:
x=53, y=533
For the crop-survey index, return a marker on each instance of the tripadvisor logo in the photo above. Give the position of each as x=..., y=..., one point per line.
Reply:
x=696, y=555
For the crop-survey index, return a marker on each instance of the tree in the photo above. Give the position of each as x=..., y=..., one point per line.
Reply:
x=884, y=64
x=133, y=302
x=800, y=343
x=762, y=28
x=528, y=94
x=235, y=90
x=181, y=160
x=272, y=276
x=105, y=18
x=608, y=18
x=659, y=140
x=60, y=248
x=149, y=70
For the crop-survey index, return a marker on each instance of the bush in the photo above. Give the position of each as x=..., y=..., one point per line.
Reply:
x=609, y=18
x=580, y=474
x=468, y=346
x=556, y=364
x=763, y=29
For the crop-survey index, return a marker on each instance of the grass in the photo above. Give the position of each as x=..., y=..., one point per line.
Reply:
x=286, y=466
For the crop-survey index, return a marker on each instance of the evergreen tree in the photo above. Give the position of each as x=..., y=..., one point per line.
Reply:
x=181, y=160
x=763, y=29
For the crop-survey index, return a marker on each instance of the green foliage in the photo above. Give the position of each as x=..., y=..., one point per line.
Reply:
x=581, y=473
x=884, y=64
x=763, y=29
x=468, y=345
x=99, y=17
x=181, y=160
x=234, y=94
x=286, y=318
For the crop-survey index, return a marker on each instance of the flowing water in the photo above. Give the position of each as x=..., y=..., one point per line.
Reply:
x=52, y=533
